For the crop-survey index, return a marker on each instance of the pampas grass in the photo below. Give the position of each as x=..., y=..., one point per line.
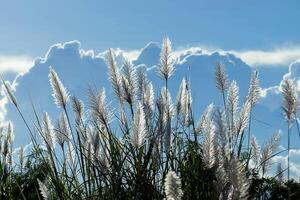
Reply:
x=290, y=107
x=60, y=94
x=139, y=128
x=44, y=190
x=140, y=147
x=166, y=68
x=173, y=186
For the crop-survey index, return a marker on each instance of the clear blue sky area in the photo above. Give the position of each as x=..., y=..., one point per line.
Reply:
x=30, y=27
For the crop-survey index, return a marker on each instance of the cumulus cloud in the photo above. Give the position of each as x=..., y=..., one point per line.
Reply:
x=278, y=56
x=282, y=56
x=15, y=63
x=271, y=97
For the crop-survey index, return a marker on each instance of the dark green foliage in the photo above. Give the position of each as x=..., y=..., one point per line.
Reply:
x=271, y=188
x=197, y=180
x=23, y=185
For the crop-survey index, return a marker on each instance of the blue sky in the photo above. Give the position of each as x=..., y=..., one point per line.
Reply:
x=30, y=27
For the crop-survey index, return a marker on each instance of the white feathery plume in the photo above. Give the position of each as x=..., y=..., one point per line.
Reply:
x=184, y=101
x=149, y=101
x=62, y=130
x=9, y=93
x=255, y=150
x=70, y=154
x=167, y=114
x=232, y=105
x=123, y=118
x=290, y=99
x=47, y=132
x=141, y=81
x=167, y=102
x=205, y=118
x=166, y=68
x=21, y=157
x=208, y=154
x=254, y=89
x=179, y=97
x=9, y=138
x=238, y=179
x=139, y=127
x=114, y=75
x=221, y=77
x=78, y=107
x=233, y=97
x=221, y=128
x=221, y=177
x=128, y=82
x=60, y=93
x=5, y=147
x=173, y=186
x=268, y=151
x=244, y=117
x=44, y=190
x=99, y=107
x=10, y=133
x=89, y=134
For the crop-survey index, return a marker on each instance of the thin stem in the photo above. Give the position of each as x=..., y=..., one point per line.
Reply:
x=289, y=149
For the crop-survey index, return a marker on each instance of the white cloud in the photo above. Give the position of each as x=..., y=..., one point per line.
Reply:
x=281, y=55
x=277, y=56
x=15, y=63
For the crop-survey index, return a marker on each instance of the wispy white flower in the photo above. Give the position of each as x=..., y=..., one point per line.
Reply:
x=166, y=68
x=166, y=108
x=78, y=107
x=205, y=118
x=243, y=120
x=221, y=77
x=232, y=106
x=10, y=133
x=268, y=151
x=255, y=150
x=290, y=99
x=128, y=79
x=238, y=179
x=70, y=154
x=9, y=92
x=183, y=103
x=149, y=101
x=254, y=89
x=62, y=130
x=44, y=190
x=60, y=93
x=99, y=107
x=208, y=129
x=114, y=74
x=139, y=127
x=173, y=186
x=48, y=132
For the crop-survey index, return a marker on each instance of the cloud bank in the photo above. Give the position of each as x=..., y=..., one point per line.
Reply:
x=279, y=56
x=15, y=63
